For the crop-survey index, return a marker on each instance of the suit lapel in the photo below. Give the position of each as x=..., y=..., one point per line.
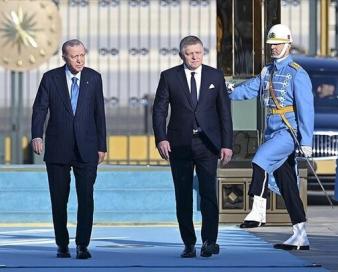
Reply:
x=61, y=81
x=84, y=83
x=182, y=77
x=204, y=86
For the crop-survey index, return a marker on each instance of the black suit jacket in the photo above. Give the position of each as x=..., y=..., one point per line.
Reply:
x=87, y=129
x=212, y=112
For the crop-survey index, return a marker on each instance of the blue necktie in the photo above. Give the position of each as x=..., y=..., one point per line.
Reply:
x=74, y=89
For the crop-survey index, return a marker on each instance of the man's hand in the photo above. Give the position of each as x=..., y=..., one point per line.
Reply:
x=225, y=155
x=307, y=150
x=101, y=156
x=164, y=149
x=37, y=145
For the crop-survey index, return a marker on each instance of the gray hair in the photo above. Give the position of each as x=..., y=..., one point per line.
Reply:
x=189, y=40
x=71, y=43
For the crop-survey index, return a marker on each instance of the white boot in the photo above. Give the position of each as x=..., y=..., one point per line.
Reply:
x=298, y=240
x=257, y=215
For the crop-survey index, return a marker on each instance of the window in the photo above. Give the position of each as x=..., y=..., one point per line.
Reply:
x=239, y=36
x=325, y=91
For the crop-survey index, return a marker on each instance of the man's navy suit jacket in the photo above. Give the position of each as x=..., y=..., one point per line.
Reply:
x=87, y=129
x=212, y=111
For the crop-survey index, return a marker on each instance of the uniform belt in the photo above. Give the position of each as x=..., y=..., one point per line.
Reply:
x=281, y=110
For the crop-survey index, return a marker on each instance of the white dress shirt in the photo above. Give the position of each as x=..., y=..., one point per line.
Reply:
x=198, y=76
x=69, y=77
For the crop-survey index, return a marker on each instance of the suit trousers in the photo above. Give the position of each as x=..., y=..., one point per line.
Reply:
x=59, y=188
x=183, y=160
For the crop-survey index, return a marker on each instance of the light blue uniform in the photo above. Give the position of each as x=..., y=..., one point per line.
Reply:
x=292, y=86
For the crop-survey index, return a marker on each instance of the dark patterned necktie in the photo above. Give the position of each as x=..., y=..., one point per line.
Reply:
x=193, y=90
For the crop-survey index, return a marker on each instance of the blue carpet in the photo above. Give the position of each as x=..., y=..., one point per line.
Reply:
x=141, y=248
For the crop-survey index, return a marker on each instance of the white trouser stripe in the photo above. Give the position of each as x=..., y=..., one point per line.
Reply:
x=264, y=182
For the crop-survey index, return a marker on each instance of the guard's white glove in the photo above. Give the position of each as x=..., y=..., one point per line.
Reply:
x=230, y=86
x=307, y=150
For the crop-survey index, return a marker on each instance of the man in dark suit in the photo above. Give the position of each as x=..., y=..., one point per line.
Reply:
x=75, y=138
x=199, y=132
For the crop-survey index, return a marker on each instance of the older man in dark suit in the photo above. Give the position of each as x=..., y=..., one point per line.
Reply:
x=75, y=138
x=199, y=132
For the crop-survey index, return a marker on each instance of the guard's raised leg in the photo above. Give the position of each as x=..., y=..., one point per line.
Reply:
x=258, y=189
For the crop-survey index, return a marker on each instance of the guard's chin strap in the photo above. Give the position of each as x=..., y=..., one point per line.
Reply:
x=282, y=53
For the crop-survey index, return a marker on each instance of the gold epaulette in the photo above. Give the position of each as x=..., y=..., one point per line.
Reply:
x=295, y=65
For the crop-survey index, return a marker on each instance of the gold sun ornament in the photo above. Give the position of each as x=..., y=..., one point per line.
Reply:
x=30, y=33
x=19, y=29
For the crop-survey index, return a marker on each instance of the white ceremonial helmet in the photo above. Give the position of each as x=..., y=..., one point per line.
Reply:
x=279, y=34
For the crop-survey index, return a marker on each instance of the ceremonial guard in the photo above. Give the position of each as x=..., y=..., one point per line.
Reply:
x=286, y=91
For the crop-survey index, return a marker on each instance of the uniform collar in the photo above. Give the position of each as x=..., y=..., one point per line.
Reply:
x=280, y=64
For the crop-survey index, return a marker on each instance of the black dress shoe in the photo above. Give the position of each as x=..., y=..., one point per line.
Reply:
x=63, y=252
x=247, y=224
x=82, y=253
x=291, y=247
x=189, y=251
x=209, y=248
